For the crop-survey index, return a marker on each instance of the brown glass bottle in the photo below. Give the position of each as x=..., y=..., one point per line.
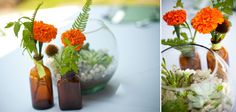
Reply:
x=222, y=52
x=190, y=62
x=69, y=92
x=41, y=89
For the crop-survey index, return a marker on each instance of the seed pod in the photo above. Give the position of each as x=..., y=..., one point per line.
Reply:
x=51, y=50
x=224, y=27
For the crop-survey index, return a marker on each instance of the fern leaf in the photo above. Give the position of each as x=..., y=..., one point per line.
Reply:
x=81, y=21
x=34, y=15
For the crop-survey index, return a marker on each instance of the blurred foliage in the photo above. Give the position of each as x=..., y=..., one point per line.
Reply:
x=29, y=4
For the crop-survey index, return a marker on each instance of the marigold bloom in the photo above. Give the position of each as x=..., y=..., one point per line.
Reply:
x=44, y=32
x=207, y=19
x=76, y=37
x=175, y=17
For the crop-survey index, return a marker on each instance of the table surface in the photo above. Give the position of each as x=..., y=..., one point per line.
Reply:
x=133, y=88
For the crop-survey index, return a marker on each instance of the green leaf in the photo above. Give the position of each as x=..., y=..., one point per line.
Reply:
x=178, y=105
x=179, y=4
x=27, y=42
x=65, y=70
x=184, y=35
x=219, y=88
x=24, y=17
x=17, y=28
x=81, y=21
x=10, y=24
x=173, y=42
x=40, y=69
x=28, y=25
x=67, y=41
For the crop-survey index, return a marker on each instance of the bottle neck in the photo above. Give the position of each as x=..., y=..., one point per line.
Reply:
x=216, y=47
x=38, y=59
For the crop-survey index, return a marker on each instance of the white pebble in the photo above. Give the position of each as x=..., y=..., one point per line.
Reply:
x=92, y=72
x=89, y=77
x=97, y=70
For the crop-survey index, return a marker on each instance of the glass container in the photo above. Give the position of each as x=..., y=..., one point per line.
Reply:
x=69, y=92
x=41, y=89
x=190, y=90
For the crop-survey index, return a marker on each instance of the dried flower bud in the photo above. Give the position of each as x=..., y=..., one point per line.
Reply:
x=51, y=50
x=224, y=27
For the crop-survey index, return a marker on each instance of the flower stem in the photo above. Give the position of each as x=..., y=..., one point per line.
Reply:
x=189, y=29
x=194, y=36
x=177, y=30
x=40, y=48
x=213, y=38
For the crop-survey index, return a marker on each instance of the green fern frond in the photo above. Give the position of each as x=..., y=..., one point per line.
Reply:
x=81, y=21
x=34, y=15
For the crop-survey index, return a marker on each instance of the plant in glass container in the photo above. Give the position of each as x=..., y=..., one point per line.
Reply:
x=68, y=84
x=194, y=90
x=98, y=55
x=35, y=33
x=214, y=20
x=66, y=62
x=177, y=18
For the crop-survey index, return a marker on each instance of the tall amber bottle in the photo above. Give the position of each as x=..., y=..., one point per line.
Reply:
x=222, y=52
x=41, y=88
x=69, y=92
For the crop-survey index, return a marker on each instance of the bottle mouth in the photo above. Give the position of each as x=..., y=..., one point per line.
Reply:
x=213, y=73
x=38, y=58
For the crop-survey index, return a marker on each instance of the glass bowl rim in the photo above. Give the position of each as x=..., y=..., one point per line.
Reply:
x=100, y=22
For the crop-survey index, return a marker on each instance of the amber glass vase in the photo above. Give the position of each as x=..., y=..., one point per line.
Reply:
x=190, y=62
x=189, y=58
x=69, y=92
x=222, y=52
x=41, y=89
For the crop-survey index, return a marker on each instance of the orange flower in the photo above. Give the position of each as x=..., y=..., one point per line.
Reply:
x=76, y=37
x=175, y=17
x=207, y=20
x=44, y=32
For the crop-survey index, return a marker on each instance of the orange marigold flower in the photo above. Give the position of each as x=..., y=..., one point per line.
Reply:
x=44, y=32
x=76, y=37
x=207, y=19
x=175, y=17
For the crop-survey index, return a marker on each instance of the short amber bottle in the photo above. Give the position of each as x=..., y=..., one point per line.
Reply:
x=69, y=92
x=190, y=62
x=41, y=89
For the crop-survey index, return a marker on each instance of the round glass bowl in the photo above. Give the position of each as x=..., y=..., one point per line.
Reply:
x=189, y=84
x=98, y=57
x=98, y=64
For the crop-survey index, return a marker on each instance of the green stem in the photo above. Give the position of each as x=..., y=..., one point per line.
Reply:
x=194, y=36
x=40, y=44
x=189, y=29
x=2, y=32
x=57, y=61
x=177, y=30
x=213, y=36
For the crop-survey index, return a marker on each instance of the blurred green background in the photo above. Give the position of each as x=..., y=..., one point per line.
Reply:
x=30, y=4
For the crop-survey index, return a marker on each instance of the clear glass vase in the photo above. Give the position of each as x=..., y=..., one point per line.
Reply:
x=98, y=57
x=189, y=90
